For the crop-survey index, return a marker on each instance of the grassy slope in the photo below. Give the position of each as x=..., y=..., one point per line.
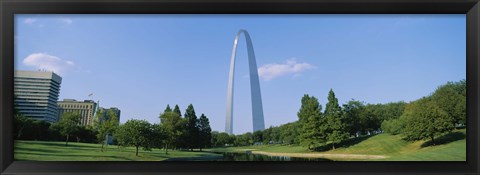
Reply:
x=57, y=151
x=384, y=144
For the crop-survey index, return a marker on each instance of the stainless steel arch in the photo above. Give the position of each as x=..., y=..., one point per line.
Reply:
x=257, y=108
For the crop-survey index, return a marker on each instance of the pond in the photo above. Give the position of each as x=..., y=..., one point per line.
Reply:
x=230, y=156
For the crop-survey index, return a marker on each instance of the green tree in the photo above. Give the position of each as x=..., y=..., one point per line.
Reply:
x=221, y=139
x=107, y=127
x=369, y=118
x=289, y=133
x=393, y=126
x=168, y=109
x=352, y=112
x=426, y=120
x=205, y=132
x=310, y=118
x=159, y=136
x=257, y=136
x=267, y=135
x=69, y=124
x=20, y=123
x=336, y=127
x=176, y=109
x=98, y=119
x=193, y=133
x=392, y=110
x=136, y=133
x=451, y=98
x=86, y=135
x=244, y=139
x=172, y=126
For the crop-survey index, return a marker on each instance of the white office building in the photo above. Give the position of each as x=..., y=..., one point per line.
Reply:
x=36, y=94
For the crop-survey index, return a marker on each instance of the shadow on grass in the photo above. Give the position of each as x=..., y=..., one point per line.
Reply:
x=58, y=144
x=343, y=144
x=447, y=138
x=37, y=150
x=67, y=157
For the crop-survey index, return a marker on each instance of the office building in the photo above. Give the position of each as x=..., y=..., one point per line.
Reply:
x=36, y=94
x=85, y=108
x=105, y=111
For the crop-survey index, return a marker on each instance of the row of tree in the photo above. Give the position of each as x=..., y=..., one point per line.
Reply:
x=173, y=132
x=67, y=129
x=433, y=115
x=425, y=118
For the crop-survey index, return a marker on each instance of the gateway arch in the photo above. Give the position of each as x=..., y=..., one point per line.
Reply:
x=257, y=108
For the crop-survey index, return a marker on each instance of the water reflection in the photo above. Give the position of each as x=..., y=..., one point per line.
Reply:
x=228, y=156
x=248, y=156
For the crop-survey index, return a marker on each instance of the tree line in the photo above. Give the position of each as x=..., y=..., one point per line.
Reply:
x=432, y=115
x=173, y=132
x=67, y=129
x=425, y=118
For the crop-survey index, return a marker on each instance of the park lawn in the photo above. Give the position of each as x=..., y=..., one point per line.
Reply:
x=454, y=151
x=394, y=147
x=382, y=144
x=57, y=151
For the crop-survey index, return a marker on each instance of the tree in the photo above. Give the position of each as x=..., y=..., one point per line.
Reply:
x=352, y=111
x=393, y=126
x=192, y=135
x=258, y=136
x=451, y=98
x=136, y=133
x=20, y=123
x=177, y=111
x=157, y=140
x=69, y=124
x=205, y=132
x=86, y=135
x=392, y=110
x=310, y=119
x=426, y=120
x=289, y=133
x=244, y=139
x=369, y=118
x=336, y=128
x=107, y=127
x=98, y=119
x=172, y=126
x=168, y=109
x=221, y=139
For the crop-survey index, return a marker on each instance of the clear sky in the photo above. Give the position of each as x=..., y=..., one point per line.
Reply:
x=141, y=63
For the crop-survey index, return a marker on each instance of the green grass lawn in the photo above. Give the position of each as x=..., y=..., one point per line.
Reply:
x=57, y=151
x=451, y=147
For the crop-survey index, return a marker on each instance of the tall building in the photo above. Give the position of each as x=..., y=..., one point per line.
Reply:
x=36, y=94
x=85, y=108
x=105, y=111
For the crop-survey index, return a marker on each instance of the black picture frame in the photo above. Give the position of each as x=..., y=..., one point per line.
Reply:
x=8, y=8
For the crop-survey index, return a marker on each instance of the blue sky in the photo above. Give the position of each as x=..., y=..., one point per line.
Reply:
x=141, y=63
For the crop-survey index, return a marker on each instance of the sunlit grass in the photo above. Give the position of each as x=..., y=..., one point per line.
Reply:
x=57, y=151
x=451, y=147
